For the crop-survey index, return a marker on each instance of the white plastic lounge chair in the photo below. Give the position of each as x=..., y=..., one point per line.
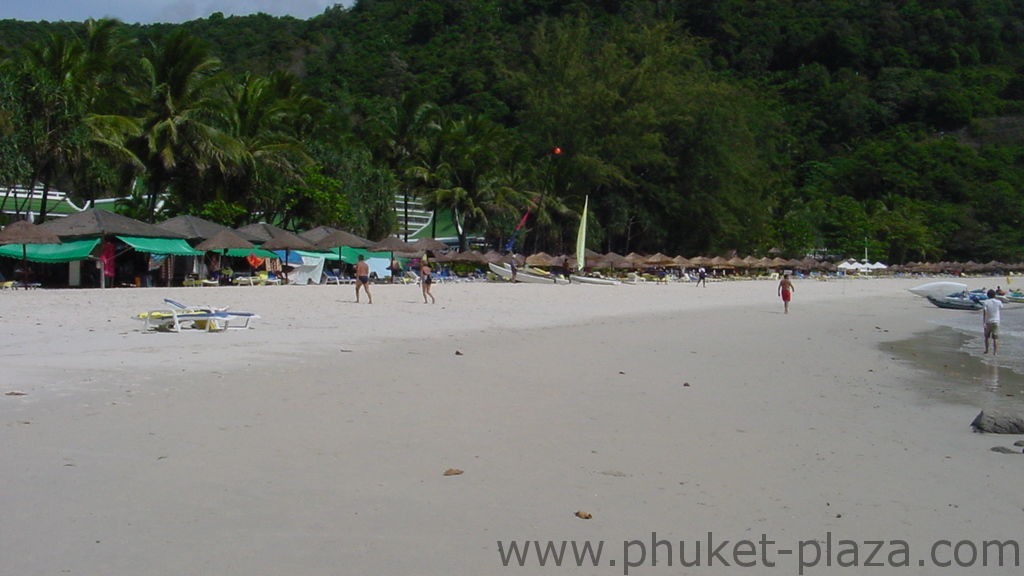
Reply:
x=191, y=280
x=329, y=277
x=209, y=318
x=237, y=320
x=172, y=320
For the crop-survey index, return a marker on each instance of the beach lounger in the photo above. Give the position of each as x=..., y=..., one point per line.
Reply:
x=172, y=320
x=268, y=279
x=191, y=280
x=237, y=320
x=332, y=278
x=176, y=316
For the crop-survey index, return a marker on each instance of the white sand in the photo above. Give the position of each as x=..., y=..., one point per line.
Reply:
x=315, y=444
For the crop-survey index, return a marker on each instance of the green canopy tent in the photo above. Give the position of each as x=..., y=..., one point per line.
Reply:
x=24, y=233
x=52, y=253
x=96, y=224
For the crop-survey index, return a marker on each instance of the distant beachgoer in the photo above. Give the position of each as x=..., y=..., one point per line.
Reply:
x=786, y=290
x=990, y=320
x=702, y=276
x=363, y=278
x=425, y=282
x=512, y=266
x=396, y=270
x=567, y=270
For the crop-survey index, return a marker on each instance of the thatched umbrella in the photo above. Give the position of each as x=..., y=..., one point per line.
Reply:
x=24, y=232
x=94, y=223
x=393, y=244
x=682, y=262
x=617, y=261
x=636, y=260
x=540, y=259
x=700, y=261
x=193, y=227
x=719, y=262
x=493, y=256
x=429, y=244
x=224, y=240
x=287, y=241
x=659, y=260
x=327, y=238
x=469, y=257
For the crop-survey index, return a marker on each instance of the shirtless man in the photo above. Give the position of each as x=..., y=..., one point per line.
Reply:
x=786, y=290
x=363, y=278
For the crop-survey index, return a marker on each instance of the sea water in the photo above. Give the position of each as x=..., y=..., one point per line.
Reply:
x=953, y=352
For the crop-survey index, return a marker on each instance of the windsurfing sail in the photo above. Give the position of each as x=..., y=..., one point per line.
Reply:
x=511, y=243
x=581, y=237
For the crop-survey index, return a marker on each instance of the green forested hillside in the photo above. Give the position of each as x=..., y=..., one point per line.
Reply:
x=693, y=126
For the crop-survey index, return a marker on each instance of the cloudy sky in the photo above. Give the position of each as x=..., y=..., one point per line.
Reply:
x=149, y=11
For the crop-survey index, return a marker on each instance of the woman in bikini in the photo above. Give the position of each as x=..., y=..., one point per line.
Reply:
x=425, y=282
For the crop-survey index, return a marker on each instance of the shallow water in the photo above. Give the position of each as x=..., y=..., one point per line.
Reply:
x=951, y=354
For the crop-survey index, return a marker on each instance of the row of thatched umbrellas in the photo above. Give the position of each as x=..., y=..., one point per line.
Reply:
x=216, y=237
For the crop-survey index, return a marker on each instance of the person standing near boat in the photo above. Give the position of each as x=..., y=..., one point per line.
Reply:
x=990, y=309
x=786, y=290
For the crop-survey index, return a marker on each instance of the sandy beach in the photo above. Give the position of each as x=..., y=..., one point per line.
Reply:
x=316, y=443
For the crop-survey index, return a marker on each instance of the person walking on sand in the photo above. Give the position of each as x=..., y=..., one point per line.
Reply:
x=702, y=277
x=786, y=290
x=396, y=269
x=990, y=320
x=363, y=278
x=425, y=282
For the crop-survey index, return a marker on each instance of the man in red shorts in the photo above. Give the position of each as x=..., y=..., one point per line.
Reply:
x=786, y=290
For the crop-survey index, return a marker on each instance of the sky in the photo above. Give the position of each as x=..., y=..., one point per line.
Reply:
x=150, y=11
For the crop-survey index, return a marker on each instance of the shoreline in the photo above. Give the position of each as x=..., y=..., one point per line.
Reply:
x=319, y=439
x=954, y=375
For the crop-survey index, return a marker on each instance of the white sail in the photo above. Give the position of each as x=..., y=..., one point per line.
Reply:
x=581, y=237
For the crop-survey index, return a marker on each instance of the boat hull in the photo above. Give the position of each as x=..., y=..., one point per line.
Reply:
x=592, y=280
x=954, y=303
x=524, y=277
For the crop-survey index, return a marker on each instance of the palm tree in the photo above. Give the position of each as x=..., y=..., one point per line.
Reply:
x=464, y=175
x=397, y=134
x=183, y=117
x=54, y=106
x=263, y=113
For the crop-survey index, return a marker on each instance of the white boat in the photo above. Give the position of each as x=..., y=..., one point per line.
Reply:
x=594, y=280
x=938, y=289
x=955, y=302
x=524, y=277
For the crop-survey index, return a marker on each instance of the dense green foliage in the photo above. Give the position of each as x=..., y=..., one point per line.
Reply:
x=693, y=126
